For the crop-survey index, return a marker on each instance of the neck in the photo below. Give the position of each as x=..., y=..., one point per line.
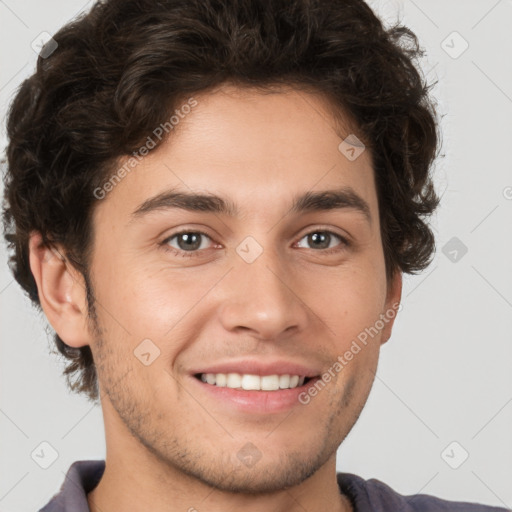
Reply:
x=136, y=478
x=133, y=487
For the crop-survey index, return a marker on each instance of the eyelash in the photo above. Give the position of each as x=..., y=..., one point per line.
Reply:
x=190, y=254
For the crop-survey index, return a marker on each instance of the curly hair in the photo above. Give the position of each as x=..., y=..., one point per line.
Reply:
x=121, y=68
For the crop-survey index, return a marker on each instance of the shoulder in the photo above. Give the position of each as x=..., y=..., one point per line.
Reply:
x=81, y=478
x=375, y=496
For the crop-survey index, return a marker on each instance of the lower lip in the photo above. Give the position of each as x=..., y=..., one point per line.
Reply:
x=256, y=401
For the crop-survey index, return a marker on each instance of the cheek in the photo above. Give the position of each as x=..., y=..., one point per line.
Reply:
x=155, y=304
x=349, y=301
x=133, y=293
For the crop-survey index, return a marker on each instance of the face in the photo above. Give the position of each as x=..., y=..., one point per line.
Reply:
x=265, y=289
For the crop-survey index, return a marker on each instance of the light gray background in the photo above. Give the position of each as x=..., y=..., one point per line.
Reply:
x=444, y=376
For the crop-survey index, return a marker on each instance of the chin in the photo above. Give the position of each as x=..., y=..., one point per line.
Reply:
x=258, y=477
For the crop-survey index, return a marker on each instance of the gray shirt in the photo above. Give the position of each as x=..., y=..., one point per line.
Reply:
x=366, y=495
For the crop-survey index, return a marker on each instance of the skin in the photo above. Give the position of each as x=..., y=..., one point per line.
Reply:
x=169, y=444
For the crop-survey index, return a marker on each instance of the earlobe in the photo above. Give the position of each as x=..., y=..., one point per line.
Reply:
x=393, y=298
x=61, y=291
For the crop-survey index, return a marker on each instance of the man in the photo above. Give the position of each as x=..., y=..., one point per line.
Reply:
x=213, y=203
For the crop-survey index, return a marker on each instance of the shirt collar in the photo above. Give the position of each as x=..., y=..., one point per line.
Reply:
x=83, y=476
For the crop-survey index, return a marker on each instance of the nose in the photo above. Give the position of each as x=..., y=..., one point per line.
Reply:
x=262, y=298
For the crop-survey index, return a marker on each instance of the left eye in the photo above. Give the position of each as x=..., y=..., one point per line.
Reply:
x=322, y=239
x=187, y=240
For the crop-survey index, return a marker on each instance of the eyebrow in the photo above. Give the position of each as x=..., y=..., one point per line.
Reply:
x=342, y=198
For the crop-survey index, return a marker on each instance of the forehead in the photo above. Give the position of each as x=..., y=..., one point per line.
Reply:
x=262, y=150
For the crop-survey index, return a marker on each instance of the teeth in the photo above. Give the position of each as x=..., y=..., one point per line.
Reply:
x=253, y=382
x=219, y=379
x=284, y=381
x=270, y=383
x=234, y=380
x=294, y=381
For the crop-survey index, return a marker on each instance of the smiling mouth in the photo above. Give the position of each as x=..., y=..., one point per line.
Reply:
x=251, y=382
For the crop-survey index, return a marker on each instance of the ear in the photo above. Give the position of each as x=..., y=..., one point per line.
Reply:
x=392, y=306
x=61, y=290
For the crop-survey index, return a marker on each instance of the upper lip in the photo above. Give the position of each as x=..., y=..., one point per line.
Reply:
x=259, y=367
